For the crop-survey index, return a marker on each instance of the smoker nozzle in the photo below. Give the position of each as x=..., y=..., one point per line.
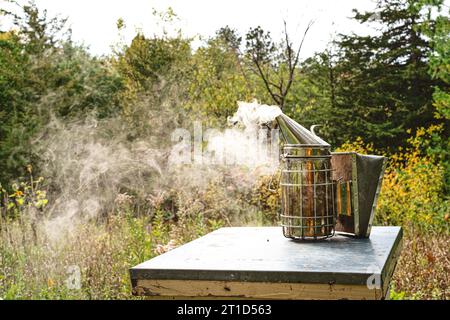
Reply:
x=294, y=133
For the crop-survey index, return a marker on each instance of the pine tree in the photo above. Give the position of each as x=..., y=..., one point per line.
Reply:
x=383, y=80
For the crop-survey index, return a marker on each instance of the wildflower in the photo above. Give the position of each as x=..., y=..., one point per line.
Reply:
x=50, y=282
x=18, y=193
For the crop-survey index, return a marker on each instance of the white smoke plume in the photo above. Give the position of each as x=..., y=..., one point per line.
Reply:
x=92, y=163
x=247, y=142
x=252, y=115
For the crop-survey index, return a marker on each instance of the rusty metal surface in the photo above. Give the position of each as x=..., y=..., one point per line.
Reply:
x=307, y=198
x=263, y=254
x=358, y=181
x=342, y=164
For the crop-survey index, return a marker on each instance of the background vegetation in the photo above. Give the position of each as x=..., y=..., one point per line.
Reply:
x=98, y=128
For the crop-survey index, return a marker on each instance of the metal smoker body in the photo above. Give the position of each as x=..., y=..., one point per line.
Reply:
x=307, y=206
x=324, y=192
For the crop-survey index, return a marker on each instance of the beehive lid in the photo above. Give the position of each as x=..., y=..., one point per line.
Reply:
x=263, y=254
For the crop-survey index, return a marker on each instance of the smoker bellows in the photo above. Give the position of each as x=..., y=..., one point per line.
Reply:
x=324, y=192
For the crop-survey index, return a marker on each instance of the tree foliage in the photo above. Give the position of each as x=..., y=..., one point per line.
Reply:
x=383, y=80
x=375, y=87
x=43, y=75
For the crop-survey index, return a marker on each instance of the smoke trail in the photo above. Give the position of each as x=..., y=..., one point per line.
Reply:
x=91, y=163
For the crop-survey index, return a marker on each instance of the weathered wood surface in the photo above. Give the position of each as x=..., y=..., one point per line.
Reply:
x=262, y=260
x=252, y=290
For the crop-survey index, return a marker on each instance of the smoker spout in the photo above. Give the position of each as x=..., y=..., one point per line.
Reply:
x=294, y=133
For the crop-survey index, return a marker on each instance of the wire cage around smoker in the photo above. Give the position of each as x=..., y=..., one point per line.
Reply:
x=307, y=192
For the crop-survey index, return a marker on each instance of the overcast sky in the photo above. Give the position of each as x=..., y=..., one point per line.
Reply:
x=94, y=21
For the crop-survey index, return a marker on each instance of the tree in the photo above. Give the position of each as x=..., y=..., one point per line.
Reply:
x=13, y=76
x=275, y=64
x=314, y=96
x=229, y=37
x=438, y=30
x=156, y=70
x=383, y=79
x=148, y=60
x=218, y=78
x=42, y=75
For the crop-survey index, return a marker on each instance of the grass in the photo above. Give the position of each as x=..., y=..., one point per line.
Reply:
x=33, y=266
x=102, y=252
x=423, y=268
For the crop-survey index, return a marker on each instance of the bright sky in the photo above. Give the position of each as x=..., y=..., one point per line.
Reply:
x=94, y=21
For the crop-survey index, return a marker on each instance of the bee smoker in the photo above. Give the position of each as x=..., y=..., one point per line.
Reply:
x=324, y=192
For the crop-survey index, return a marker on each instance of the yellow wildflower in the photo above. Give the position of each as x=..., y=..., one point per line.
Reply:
x=50, y=282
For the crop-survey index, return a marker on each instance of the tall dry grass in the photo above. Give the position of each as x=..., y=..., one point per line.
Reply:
x=423, y=270
x=101, y=251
